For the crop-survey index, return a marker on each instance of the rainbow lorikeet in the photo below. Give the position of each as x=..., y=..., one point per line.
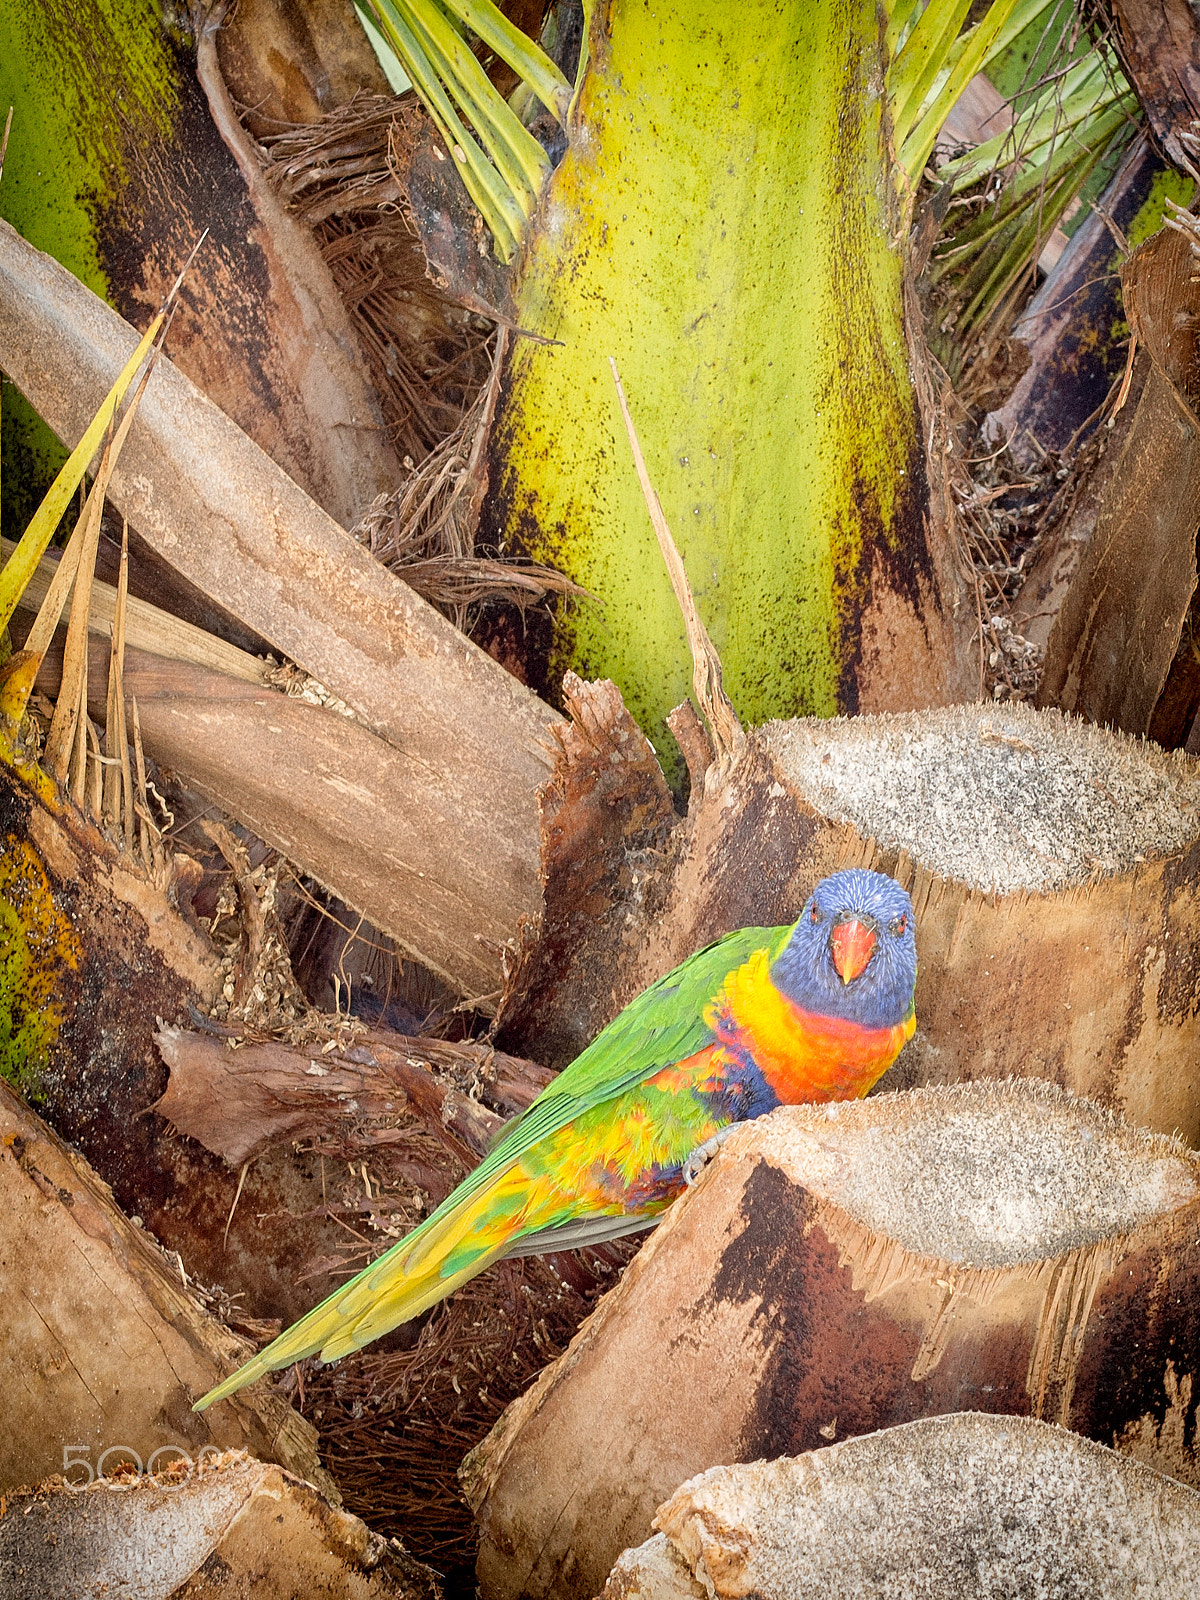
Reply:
x=764, y=1017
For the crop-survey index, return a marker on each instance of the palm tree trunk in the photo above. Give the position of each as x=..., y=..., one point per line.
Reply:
x=725, y=224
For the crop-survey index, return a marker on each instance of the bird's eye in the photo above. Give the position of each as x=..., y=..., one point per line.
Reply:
x=900, y=926
x=814, y=914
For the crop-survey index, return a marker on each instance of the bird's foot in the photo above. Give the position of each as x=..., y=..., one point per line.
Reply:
x=704, y=1153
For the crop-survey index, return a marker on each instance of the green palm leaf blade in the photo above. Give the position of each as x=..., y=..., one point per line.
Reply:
x=514, y=47
x=916, y=145
x=495, y=200
x=519, y=158
x=911, y=75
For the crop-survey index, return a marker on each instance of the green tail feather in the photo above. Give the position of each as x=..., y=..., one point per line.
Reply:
x=417, y=1272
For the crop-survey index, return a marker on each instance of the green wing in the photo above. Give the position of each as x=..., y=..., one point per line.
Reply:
x=663, y=1025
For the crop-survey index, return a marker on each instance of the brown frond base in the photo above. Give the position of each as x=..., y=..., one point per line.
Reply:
x=427, y=357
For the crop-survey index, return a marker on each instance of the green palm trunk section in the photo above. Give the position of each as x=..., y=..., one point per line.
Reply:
x=723, y=225
x=95, y=89
x=39, y=958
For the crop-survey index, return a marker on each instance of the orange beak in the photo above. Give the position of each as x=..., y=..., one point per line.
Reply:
x=853, y=946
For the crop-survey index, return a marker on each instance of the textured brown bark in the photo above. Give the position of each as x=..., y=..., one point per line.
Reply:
x=238, y=528
x=325, y=426
x=234, y=524
x=294, y=60
x=111, y=956
x=365, y=819
x=103, y=1348
x=239, y=1102
x=329, y=794
x=261, y=328
x=606, y=815
x=842, y=1269
x=1159, y=45
x=313, y=783
x=1113, y=642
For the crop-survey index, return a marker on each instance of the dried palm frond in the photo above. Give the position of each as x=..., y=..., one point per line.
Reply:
x=428, y=358
x=65, y=761
x=425, y=529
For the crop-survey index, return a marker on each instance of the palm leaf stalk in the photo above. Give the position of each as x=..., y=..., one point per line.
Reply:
x=730, y=221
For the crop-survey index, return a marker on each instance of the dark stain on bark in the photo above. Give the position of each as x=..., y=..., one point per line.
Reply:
x=829, y=1354
x=869, y=547
x=1141, y=1358
x=14, y=809
x=1179, y=987
x=173, y=189
x=832, y=1355
x=894, y=554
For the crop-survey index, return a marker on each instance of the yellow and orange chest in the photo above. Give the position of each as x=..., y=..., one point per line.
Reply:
x=804, y=1056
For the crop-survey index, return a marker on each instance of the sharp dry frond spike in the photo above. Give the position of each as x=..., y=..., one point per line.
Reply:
x=110, y=808
x=147, y=841
x=88, y=532
x=119, y=668
x=95, y=765
x=727, y=735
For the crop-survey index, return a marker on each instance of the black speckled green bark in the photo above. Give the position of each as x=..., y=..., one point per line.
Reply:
x=723, y=225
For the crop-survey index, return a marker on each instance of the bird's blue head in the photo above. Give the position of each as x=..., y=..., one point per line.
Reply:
x=853, y=953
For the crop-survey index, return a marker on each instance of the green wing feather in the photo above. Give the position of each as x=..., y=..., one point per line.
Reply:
x=663, y=1025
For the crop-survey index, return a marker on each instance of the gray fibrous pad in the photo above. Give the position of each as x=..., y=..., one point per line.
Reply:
x=938, y=1509
x=999, y=798
x=985, y=1174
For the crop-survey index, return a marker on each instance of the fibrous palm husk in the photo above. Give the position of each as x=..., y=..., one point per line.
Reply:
x=425, y=529
x=428, y=358
x=435, y=364
x=396, y=1422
